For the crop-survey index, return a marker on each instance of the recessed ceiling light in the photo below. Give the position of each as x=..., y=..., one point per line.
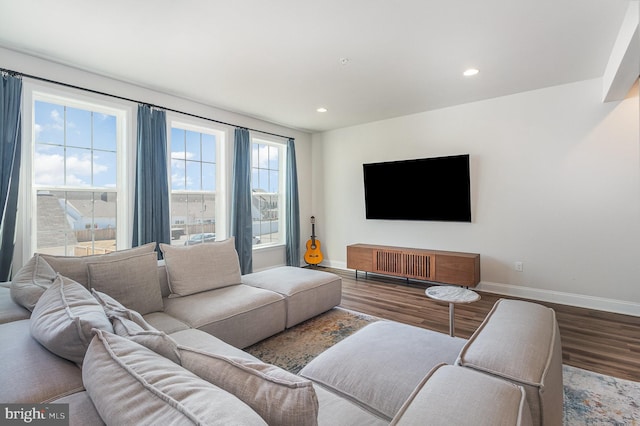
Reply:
x=321, y=109
x=470, y=72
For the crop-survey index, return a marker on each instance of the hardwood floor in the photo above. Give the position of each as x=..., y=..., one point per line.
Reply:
x=602, y=342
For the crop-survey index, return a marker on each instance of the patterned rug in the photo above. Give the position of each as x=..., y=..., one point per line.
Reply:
x=294, y=348
x=595, y=399
x=590, y=398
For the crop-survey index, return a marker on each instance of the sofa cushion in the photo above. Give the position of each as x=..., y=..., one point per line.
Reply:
x=280, y=397
x=520, y=341
x=130, y=324
x=457, y=396
x=307, y=292
x=397, y=357
x=198, y=339
x=75, y=267
x=164, y=322
x=10, y=310
x=82, y=412
x=31, y=281
x=130, y=385
x=240, y=315
x=338, y=411
x=30, y=373
x=63, y=318
x=197, y=268
x=133, y=281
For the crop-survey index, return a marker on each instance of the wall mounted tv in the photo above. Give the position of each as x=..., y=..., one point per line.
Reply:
x=430, y=189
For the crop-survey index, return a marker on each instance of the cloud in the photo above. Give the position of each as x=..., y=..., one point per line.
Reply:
x=265, y=155
x=178, y=170
x=50, y=169
x=178, y=181
x=178, y=158
x=58, y=121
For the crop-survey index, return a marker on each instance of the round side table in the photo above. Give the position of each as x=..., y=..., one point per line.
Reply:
x=452, y=295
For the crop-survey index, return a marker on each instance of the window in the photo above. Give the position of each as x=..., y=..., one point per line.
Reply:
x=75, y=176
x=267, y=188
x=195, y=182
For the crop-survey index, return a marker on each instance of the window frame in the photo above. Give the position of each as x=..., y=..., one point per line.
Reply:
x=221, y=134
x=281, y=145
x=26, y=228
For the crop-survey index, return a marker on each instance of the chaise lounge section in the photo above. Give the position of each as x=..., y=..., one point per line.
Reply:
x=518, y=342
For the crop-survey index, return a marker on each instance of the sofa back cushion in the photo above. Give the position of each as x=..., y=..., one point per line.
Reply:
x=31, y=281
x=281, y=398
x=202, y=267
x=75, y=267
x=132, y=281
x=130, y=385
x=63, y=319
x=520, y=341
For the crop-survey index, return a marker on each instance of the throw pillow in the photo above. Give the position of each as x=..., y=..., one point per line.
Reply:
x=75, y=267
x=280, y=397
x=129, y=385
x=31, y=281
x=130, y=324
x=109, y=304
x=155, y=340
x=63, y=318
x=202, y=267
x=132, y=281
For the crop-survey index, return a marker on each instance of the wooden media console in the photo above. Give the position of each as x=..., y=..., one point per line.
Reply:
x=445, y=267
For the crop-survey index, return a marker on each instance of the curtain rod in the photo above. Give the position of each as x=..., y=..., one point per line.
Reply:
x=122, y=98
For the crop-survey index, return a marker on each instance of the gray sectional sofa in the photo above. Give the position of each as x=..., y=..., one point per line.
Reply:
x=125, y=339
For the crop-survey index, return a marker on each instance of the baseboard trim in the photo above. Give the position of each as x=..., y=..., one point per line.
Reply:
x=551, y=296
x=571, y=299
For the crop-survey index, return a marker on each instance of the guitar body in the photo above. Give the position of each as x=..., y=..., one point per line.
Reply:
x=313, y=255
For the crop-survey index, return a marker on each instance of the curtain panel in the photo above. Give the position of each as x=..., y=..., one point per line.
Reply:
x=292, y=208
x=151, y=221
x=10, y=148
x=241, y=226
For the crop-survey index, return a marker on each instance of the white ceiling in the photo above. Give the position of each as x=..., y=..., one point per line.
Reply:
x=279, y=60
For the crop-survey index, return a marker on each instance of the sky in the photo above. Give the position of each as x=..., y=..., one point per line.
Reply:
x=89, y=141
x=84, y=166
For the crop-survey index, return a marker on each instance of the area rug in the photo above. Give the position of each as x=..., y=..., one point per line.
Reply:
x=294, y=348
x=595, y=399
x=589, y=398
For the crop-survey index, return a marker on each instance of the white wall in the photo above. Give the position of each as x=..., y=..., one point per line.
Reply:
x=555, y=179
x=263, y=258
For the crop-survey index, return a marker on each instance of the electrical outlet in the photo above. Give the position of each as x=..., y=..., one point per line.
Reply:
x=519, y=266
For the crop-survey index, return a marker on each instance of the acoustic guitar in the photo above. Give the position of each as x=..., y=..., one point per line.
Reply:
x=313, y=256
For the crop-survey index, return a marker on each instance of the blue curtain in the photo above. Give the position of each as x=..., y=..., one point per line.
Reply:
x=151, y=221
x=10, y=99
x=241, y=226
x=292, y=208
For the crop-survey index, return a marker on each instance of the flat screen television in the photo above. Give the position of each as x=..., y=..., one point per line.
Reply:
x=429, y=189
